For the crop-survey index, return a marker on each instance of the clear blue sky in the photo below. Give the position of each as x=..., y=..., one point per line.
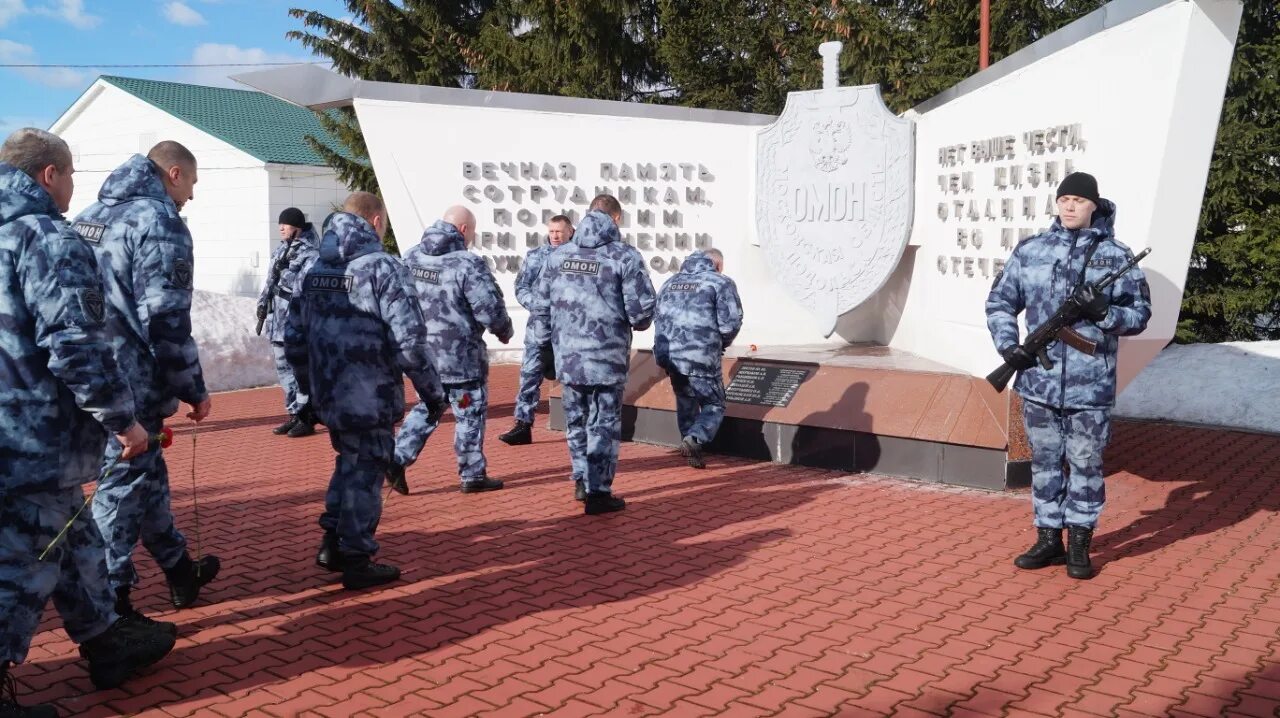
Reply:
x=101, y=32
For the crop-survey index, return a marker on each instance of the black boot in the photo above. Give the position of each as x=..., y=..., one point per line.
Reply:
x=603, y=504
x=1078, y=539
x=187, y=577
x=692, y=452
x=122, y=650
x=579, y=490
x=306, y=425
x=329, y=557
x=125, y=609
x=360, y=573
x=484, y=483
x=520, y=434
x=286, y=427
x=1047, y=550
x=396, y=479
x=9, y=707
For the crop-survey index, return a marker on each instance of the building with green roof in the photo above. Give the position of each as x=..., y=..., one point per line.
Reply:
x=254, y=161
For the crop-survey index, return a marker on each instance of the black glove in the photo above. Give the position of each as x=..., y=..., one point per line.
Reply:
x=547, y=357
x=262, y=311
x=1018, y=358
x=1092, y=303
x=435, y=410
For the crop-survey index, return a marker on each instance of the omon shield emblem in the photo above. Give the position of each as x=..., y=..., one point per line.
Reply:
x=833, y=188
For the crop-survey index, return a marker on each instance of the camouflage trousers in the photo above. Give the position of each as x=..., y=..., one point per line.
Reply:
x=74, y=573
x=133, y=503
x=1067, y=487
x=699, y=406
x=530, y=378
x=353, y=502
x=470, y=405
x=593, y=430
x=294, y=398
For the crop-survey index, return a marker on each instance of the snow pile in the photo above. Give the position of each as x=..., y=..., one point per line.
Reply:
x=232, y=356
x=1233, y=385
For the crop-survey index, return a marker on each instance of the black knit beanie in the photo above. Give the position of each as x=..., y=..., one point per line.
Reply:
x=1079, y=184
x=294, y=217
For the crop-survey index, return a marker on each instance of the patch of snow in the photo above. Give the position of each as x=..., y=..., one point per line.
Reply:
x=232, y=356
x=1230, y=385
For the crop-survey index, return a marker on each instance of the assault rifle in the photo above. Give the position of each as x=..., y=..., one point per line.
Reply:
x=1058, y=327
x=274, y=278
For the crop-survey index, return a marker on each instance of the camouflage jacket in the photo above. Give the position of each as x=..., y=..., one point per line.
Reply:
x=459, y=299
x=298, y=255
x=59, y=382
x=145, y=253
x=593, y=292
x=1040, y=275
x=699, y=314
x=527, y=286
x=355, y=330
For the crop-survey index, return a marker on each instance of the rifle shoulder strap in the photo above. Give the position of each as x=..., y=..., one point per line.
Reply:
x=1088, y=256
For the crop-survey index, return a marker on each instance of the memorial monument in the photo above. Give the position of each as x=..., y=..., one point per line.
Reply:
x=863, y=244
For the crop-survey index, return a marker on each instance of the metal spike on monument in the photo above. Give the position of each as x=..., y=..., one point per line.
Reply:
x=833, y=186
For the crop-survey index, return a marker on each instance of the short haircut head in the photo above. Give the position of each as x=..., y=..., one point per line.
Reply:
x=716, y=255
x=457, y=215
x=168, y=153
x=607, y=203
x=32, y=150
x=364, y=204
x=561, y=219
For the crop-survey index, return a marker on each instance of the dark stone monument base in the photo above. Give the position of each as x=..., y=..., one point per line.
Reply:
x=861, y=408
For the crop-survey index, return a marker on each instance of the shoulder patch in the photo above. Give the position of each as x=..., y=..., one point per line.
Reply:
x=182, y=274
x=580, y=266
x=90, y=232
x=92, y=304
x=328, y=283
x=431, y=276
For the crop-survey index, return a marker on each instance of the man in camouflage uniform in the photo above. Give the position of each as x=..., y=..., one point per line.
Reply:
x=699, y=314
x=459, y=299
x=144, y=251
x=593, y=292
x=1067, y=407
x=59, y=387
x=532, y=369
x=298, y=250
x=353, y=333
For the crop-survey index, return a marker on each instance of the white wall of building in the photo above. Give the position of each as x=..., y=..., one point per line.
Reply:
x=314, y=190
x=238, y=199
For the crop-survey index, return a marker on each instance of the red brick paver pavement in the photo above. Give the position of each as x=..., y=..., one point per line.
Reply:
x=744, y=590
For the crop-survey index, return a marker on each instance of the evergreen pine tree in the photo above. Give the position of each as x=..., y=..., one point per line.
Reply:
x=1233, y=286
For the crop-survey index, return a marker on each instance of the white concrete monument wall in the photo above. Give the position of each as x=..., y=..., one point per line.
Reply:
x=683, y=184
x=1130, y=93
x=1136, y=104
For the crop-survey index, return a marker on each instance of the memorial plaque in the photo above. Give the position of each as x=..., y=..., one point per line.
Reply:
x=762, y=385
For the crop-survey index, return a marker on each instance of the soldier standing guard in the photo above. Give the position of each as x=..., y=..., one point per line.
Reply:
x=144, y=251
x=298, y=250
x=699, y=314
x=60, y=387
x=353, y=333
x=1067, y=407
x=593, y=293
x=532, y=368
x=459, y=299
